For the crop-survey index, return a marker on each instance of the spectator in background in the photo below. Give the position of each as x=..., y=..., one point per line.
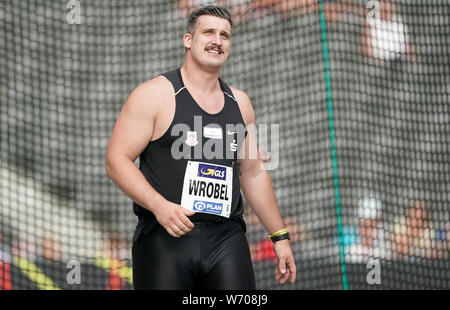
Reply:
x=51, y=248
x=116, y=247
x=185, y=7
x=385, y=37
x=412, y=234
x=368, y=238
x=441, y=242
x=26, y=248
x=333, y=9
x=113, y=258
x=369, y=214
x=241, y=10
x=5, y=265
x=446, y=241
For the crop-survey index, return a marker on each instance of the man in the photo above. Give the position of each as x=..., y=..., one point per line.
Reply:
x=191, y=232
x=333, y=9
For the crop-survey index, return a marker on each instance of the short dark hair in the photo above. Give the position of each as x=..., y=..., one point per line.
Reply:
x=207, y=10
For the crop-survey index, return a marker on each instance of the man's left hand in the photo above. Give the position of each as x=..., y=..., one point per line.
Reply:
x=286, y=265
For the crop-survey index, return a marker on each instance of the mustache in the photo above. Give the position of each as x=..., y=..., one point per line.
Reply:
x=214, y=47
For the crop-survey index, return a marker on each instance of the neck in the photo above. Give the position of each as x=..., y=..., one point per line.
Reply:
x=199, y=78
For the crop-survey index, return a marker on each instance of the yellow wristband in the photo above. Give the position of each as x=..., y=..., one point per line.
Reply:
x=278, y=233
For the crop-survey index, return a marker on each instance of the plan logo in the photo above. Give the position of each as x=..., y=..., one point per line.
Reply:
x=207, y=207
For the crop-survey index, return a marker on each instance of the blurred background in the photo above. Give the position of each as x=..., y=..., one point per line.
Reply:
x=360, y=90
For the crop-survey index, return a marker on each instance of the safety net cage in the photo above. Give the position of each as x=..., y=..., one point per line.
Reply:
x=351, y=98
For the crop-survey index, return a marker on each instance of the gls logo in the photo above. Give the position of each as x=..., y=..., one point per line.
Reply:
x=210, y=171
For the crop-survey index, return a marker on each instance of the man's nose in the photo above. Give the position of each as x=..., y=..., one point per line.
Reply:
x=217, y=40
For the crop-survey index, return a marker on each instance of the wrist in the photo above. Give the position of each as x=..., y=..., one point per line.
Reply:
x=282, y=237
x=279, y=235
x=281, y=242
x=155, y=203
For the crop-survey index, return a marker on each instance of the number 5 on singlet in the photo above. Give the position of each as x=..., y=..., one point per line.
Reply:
x=207, y=188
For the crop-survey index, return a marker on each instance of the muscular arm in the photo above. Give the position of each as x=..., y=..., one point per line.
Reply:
x=133, y=131
x=131, y=134
x=254, y=179
x=258, y=191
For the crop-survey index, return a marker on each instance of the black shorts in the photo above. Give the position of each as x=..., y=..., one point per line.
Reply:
x=212, y=256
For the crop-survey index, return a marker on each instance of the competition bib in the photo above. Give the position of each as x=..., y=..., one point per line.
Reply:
x=207, y=188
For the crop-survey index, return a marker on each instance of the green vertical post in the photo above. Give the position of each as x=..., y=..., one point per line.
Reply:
x=337, y=193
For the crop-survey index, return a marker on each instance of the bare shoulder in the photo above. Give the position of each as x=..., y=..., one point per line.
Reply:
x=244, y=105
x=151, y=95
x=159, y=83
x=135, y=125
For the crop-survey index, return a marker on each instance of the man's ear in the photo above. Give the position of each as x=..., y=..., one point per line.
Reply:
x=187, y=40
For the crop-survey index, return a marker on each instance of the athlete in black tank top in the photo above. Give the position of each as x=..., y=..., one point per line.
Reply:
x=187, y=190
x=163, y=168
x=165, y=172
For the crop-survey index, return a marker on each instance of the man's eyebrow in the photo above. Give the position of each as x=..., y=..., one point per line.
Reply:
x=223, y=31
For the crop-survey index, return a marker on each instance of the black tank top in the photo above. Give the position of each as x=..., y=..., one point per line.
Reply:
x=195, y=136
